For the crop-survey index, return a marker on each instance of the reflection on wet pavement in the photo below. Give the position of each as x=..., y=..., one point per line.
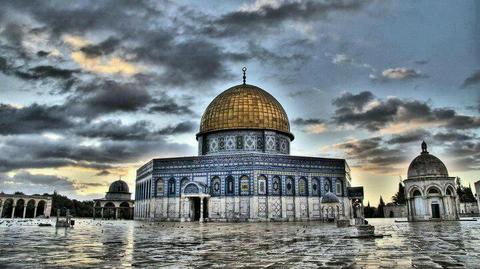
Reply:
x=302, y=245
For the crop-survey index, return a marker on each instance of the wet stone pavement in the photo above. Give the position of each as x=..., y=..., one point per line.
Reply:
x=119, y=244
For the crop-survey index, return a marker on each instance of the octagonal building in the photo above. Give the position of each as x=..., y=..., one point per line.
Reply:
x=243, y=171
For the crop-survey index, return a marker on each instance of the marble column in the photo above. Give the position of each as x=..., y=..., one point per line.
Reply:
x=35, y=212
x=93, y=212
x=1, y=211
x=102, y=212
x=24, y=210
x=116, y=213
x=13, y=212
x=201, y=209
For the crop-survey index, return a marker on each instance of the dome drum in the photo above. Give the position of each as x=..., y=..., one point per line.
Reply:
x=118, y=190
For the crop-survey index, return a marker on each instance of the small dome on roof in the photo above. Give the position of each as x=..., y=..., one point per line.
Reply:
x=329, y=198
x=426, y=165
x=119, y=186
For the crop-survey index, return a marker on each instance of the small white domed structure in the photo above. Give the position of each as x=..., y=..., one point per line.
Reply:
x=117, y=204
x=430, y=192
x=331, y=207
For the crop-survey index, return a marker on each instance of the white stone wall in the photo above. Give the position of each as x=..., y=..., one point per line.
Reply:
x=419, y=208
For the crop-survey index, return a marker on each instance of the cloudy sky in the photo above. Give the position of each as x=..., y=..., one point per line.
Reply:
x=90, y=90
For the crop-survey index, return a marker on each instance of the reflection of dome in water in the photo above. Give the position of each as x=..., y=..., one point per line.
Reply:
x=329, y=198
x=426, y=165
x=245, y=107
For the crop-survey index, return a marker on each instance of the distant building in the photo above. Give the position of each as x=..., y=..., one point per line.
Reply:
x=392, y=210
x=117, y=204
x=477, y=193
x=429, y=191
x=25, y=206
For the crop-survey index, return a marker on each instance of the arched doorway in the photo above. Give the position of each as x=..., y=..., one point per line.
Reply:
x=109, y=211
x=41, y=208
x=7, y=208
x=124, y=211
x=30, y=213
x=19, y=207
x=434, y=196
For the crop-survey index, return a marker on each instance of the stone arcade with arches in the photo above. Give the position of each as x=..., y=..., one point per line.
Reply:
x=244, y=171
x=429, y=191
x=117, y=203
x=25, y=206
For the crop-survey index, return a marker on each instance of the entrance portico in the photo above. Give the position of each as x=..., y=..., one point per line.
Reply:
x=194, y=202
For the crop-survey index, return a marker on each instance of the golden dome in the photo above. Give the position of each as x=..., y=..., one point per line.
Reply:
x=245, y=107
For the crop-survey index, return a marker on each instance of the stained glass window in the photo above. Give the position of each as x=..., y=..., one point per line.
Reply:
x=315, y=186
x=244, y=185
x=290, y=186
x=230, y=182
x=215, y=186
x=302, y=186
x=276, y=185
x=159, y=187
x=262, y=185
x=171, y=187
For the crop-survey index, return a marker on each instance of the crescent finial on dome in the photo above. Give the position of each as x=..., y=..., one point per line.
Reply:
x=244, y=69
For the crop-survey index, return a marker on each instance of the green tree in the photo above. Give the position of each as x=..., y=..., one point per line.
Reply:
x=380, y=207
x=399, y=197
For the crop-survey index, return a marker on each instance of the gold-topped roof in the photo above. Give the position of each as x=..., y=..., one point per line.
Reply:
x=245, y=107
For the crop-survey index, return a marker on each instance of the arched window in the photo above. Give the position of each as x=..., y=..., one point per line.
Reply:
x=290, y=186
x=327, y=185
x=433, y=190
x=159, y=187
x=417, y=193
x=183, y=182
x=276, y=185
x=244, y=185
x=339, y=187
x=315, y=187
x=215, y=186
x=171, y=187
x=302, y=186
x=262, y=185
x=450, y=191
x=230, y=186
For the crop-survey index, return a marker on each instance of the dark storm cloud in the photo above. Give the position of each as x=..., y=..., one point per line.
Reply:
x=32, y=119
x=46, y=71
x=465, y=154
x=173, y=50
x=138, y=131
x=357, y=101
x=372, y=154
x=181, y=128
x=304, y=122
x=103, y=97
x=352, y=110
x=245, y=22
x=103, y=48
x=115, y=130
x=452, y=136
x=408, y=137
x=472, y=80
x=39, y=183
x=168, y=105
x=23, y=152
